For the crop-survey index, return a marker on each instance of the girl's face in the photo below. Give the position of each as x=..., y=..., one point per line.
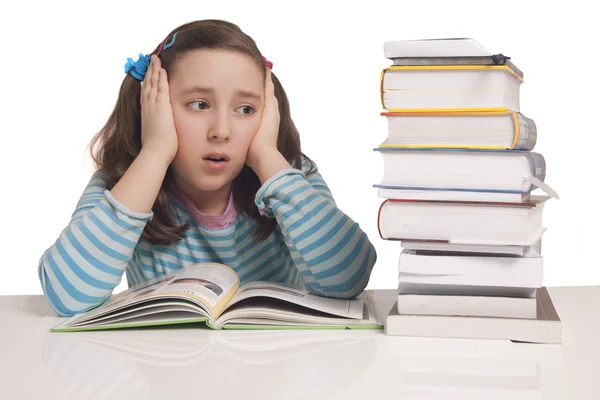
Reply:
x=217, y=99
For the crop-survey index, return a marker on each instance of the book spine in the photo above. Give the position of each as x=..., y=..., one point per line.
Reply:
x=498, y=59
x=383, y=204
x=381, y=90
x=537, y=164
x=526, y=133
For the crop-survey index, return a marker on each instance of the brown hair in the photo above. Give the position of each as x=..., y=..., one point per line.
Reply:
x=118, y=143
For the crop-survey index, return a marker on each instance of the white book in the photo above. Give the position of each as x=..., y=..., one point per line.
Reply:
x=508, y=280
x=455, y=289
x=483, y=306
x=453, y=195
x=534, y=250
x=438, y=47
x=486, y=171
x=450, y=87
x=467, y=269
x=467, y=223
x=545, y=328
x=493, y=129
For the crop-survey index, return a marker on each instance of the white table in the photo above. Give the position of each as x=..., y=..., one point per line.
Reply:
x=201, y=363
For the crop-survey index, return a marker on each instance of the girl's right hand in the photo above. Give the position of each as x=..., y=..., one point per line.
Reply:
x=159, y=135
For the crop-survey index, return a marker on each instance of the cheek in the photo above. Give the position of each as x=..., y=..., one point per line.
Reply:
x=189, y=130
x=250, y=128
x=183, y=122
x=188, y=141
x=247, y=132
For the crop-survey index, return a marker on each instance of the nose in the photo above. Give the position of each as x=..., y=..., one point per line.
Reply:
x=219, y=131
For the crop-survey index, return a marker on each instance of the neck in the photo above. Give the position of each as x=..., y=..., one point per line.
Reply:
x=209, y=203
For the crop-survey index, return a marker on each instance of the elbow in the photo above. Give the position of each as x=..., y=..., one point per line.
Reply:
x=62, y=312
x=56, y=303
x=360, y=276
x=357, y=289
x=60, y=300
x=352, y=282
x=360, y=280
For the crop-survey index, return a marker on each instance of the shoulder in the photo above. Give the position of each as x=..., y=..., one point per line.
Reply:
x=98, y=177
x=96, y=183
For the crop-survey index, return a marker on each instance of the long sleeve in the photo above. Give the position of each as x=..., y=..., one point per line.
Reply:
x=332, y=253
x=81, y=269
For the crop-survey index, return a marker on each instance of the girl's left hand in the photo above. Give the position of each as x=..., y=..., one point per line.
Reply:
x=265, y=138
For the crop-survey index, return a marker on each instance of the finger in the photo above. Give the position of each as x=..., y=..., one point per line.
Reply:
x=269, y=88
x=142, y=94
x=270, y=99
x=153, y=84
x=155, y=69
x=163, y=82
x=146, y=82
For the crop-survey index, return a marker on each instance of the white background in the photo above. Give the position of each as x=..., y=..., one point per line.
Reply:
x=62, y=64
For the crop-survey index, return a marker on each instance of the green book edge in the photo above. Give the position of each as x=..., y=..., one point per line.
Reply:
x=228, y=327
x=126, y=326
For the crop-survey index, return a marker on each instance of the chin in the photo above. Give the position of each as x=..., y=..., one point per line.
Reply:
x=212, y=183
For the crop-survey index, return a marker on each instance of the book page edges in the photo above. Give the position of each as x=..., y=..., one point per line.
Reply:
x=454, y=67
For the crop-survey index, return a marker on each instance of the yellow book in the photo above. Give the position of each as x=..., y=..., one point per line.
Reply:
x=490, y=130
x=450, y=88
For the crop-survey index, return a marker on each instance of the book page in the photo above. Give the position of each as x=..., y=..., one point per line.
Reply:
x=209, y=285
x=336, y=307
x=133, y=295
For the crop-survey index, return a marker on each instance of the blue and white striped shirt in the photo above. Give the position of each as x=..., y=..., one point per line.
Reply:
x=315, y=245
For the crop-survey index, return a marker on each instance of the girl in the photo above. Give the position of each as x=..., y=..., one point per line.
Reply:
x=200, y=161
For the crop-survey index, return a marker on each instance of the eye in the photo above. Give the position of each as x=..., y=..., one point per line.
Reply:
x=198, y=105
x=246, y=110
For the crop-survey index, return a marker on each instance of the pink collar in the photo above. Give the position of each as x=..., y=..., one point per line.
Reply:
x=209, y=221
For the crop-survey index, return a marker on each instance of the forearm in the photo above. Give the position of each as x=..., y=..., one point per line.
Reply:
x=332, y=253
x=139, y=186
x=81, y=269
x=88, y=260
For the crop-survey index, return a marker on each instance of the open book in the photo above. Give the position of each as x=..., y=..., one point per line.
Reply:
x=210, y=293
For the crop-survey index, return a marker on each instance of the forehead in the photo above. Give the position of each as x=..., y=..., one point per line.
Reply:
x=216, y=68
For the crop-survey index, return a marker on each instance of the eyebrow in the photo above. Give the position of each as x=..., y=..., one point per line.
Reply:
x=239, y=93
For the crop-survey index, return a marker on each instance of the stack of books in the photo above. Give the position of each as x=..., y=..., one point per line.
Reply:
x=459, y=172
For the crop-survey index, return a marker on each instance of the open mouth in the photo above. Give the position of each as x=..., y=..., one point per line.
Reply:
x=215, y=159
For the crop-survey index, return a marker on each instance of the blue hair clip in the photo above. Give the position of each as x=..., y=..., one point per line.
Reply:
x=138, y=68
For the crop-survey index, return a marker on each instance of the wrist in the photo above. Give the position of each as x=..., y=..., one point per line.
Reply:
x=156, y=156
x=267, y=163
x=254, y=160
